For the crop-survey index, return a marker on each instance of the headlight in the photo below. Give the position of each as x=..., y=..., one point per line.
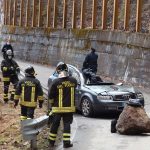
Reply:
x=140, y=95
x=104, y=97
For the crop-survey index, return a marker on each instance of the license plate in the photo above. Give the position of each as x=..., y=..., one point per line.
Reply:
x=111, y=107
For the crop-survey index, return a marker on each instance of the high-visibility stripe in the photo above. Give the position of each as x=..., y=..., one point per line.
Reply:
x=60, y=97
x=6, y=79
x=23, y=117
x=5, y=96
x=63, y=109
x=72, y=96
x=51, y=138
x=33, y=94
x=66, y=134
x=28, y=104
x=53, y=135
x=66, y=139
x=41, y=98
x=29, y=118
x=51, y=101
x=16, y=96
x=12, y=92
x=22, y=95
x=5, y=68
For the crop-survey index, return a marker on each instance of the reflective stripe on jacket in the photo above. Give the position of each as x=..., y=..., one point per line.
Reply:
x=29, y=90
x=62, y=95
x=9, y=67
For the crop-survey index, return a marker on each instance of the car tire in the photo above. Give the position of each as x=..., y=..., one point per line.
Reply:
x=86, y=107
x=113, y=126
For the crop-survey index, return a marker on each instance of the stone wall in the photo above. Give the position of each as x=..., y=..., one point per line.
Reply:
x=1, y=12
x=123, y=56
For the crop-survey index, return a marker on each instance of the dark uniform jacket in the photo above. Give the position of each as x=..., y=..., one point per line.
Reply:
x=90, y=62
x=29, y=90
x=62, y=95
x=9, y=68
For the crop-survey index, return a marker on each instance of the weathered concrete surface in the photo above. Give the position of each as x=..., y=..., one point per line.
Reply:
x=122, y=55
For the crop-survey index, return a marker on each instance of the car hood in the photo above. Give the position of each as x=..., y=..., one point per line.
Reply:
x=110, y=89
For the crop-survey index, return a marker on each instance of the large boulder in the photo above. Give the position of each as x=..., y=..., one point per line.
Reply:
x=133, y=120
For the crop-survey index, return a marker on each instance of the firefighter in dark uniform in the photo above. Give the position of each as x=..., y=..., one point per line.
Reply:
x=29, y=91
x=89, y=68
x=62, y=98
x=7, y=46
x=10, y=70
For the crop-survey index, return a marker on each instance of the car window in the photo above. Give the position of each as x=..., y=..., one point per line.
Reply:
x=55, y=74
x=76, y=76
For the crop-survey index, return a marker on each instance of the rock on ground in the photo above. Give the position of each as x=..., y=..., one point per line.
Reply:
x=133, y=120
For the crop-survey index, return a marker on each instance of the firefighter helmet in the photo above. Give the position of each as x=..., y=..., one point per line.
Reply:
x=61, y=67
x=9, y=54
x=30, y=70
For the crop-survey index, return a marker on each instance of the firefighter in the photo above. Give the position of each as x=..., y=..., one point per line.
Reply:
x=62, y=99
x=89, y=68
x=10, y=70
x=29, y=91
x=6, y=47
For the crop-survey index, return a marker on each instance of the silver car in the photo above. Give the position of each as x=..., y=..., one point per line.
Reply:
x=100, y=97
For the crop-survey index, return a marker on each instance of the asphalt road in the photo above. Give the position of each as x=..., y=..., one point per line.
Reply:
x=94, y=133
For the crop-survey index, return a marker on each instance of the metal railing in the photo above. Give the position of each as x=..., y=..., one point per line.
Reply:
x=80, y=14
x=30, y=128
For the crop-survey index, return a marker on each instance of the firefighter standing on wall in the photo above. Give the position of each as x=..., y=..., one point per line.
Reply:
x=62, y=98
x=29, y=91
x=10, y=69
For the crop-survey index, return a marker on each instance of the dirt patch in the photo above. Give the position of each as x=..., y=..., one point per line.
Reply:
x=10, y=135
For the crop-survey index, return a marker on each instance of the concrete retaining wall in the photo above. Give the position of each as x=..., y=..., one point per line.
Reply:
x=123, y=56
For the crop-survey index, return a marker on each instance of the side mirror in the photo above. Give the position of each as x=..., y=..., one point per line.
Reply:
x=78, y=83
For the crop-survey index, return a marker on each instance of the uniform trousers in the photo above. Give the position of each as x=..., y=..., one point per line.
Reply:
x=67, y=119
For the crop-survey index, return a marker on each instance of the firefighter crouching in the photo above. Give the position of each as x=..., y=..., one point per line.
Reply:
x=10, y=70
x=29, y=91
x=62, y=99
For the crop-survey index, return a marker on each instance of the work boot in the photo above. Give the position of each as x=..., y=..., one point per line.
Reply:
x=67, y=145
x=6, y=101
x=51, y=143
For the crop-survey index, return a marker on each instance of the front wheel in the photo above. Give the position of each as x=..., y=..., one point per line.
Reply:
x=86, y=107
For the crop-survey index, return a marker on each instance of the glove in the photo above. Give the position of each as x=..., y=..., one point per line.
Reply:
x=12, y=69
x=40, y=104
x=51, y=117
x=18, y=70
x=15, y=104
x=50, y=110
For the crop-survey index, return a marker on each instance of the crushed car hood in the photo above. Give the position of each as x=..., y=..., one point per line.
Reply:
x=111, y=89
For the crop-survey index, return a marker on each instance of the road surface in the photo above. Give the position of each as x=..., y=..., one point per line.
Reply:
x=94, y=133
